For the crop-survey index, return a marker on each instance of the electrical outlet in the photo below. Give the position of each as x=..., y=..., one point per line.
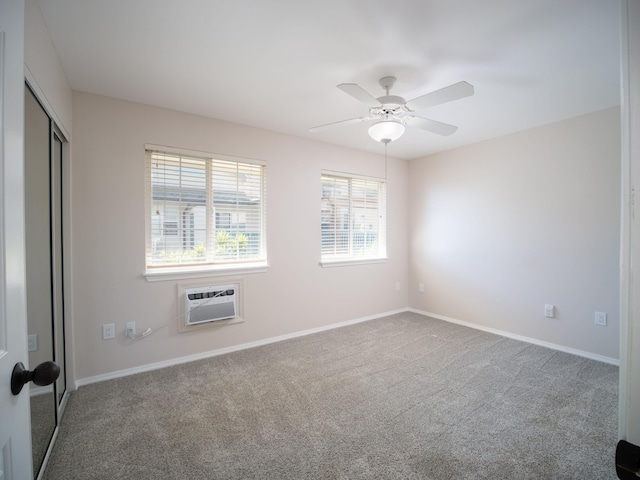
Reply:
x=32, y=342
x=397, y=286
x=601, y=318
x=108, y=331
x=549, y=311
x=131, y=329
x=421, y=287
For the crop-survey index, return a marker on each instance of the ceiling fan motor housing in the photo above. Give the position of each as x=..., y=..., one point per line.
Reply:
x=393, y=107
x=393, y=112
x=391, y=102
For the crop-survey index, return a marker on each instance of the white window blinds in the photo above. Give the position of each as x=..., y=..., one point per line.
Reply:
x=203, y=210
x=353, y=218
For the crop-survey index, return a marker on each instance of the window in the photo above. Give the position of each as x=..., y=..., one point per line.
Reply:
x=203, y=211
x=353, y=219
x=170, y=228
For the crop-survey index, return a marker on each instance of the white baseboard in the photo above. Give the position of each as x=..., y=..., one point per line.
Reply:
x=553, y=346
x=221, y=351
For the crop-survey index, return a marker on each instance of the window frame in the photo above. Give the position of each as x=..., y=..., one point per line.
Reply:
x=380, y=256
x=212, y=266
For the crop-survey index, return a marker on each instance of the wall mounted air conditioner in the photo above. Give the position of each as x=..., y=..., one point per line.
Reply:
x=210, y=304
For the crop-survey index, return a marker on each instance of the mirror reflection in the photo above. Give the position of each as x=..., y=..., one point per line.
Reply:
x=43, y=241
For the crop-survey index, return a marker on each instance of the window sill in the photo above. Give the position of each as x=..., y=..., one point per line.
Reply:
x=181, y=273
x=351, y=261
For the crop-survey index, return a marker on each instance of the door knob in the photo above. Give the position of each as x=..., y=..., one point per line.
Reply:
x=44, y=374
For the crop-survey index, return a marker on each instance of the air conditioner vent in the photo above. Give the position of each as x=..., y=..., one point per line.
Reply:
x=210, y=304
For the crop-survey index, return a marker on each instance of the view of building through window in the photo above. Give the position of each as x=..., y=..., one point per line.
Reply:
x=204, y=210
x=353, y=218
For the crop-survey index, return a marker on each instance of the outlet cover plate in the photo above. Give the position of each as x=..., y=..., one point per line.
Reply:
x=549, y=311
x=131, y=329
x=108, y=331
x=32, y=342
x=601, y=318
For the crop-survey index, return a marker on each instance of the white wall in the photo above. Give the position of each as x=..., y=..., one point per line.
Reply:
x=44, y=70
x=503, y=227
x=294, y=295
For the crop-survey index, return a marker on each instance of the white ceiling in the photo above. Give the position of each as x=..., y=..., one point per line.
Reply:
x=275, y=64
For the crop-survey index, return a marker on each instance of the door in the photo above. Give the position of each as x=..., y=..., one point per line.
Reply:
x=15, y=437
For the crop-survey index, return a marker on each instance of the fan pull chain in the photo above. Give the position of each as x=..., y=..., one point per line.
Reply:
x=385, y=159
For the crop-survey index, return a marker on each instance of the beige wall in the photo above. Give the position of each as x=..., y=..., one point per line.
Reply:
x=495, y=231
x=503, y=227
x=294, y=295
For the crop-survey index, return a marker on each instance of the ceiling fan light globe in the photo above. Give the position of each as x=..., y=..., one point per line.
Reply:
x=386, y=131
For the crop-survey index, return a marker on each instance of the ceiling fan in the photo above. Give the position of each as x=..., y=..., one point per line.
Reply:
x=393, y=112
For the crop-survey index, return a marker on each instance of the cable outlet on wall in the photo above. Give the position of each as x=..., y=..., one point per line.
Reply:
x=601, y=318
x=108, y=331
x=397, y=286
x=131, y=329
x=421, y=287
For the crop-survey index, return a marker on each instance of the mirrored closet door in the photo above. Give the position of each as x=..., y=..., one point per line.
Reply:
x=44, y=269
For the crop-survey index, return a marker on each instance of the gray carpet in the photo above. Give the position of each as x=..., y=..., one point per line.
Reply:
x=402, y=397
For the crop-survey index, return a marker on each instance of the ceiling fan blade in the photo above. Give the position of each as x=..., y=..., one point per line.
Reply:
x=340, y=123
x=446, y=94
x=359, y=93
x=431, y=125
